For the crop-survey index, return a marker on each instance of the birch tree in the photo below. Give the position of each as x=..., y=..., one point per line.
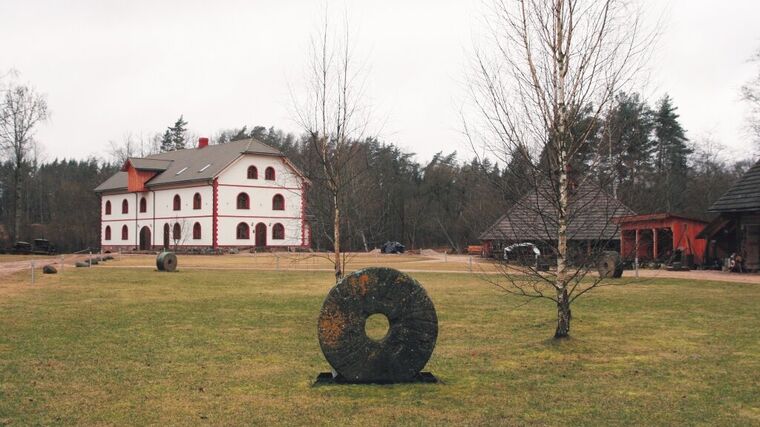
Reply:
x=540, y=85
x=333, y=115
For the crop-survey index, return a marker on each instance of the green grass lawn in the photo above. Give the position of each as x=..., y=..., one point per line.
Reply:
x=120, y=346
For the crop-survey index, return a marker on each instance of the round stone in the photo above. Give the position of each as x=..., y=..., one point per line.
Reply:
x=412, y=326
x=166, y=261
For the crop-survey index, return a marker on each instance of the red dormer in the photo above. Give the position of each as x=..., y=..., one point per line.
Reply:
x=140, y=171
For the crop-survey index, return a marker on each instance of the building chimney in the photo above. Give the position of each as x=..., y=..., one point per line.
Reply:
x=202, y=142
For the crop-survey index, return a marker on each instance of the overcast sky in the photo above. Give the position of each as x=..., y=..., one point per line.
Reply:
x=110, y=68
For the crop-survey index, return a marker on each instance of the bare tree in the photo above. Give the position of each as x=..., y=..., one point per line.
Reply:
x=21, y=110
x=540, y=94
x=334, y=118
x=134, y=146
x=751, y=94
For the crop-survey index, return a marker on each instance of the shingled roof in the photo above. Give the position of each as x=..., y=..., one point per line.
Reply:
x=189, y=165
x=743, y=196
x=534, y=217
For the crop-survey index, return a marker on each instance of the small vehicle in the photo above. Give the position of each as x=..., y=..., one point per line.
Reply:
x=526, y=254
x=392, y=248
x=37, y=247
x=43, y=247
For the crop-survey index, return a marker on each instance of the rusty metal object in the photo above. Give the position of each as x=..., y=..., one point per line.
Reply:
x=166, y=261
x=412, y=327
x=610, y=265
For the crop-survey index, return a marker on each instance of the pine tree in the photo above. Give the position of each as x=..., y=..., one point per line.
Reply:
x=178, y=133
x=175, y=136
x=166, y=141
x=671, y=154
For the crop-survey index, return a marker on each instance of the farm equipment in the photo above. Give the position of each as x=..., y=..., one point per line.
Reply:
x=37, y=247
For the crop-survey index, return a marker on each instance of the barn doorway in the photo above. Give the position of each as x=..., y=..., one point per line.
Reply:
x=261, y=235
x=166, y=236
x=145, y=242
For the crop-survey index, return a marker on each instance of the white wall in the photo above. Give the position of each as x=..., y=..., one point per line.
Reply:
x=232, y=181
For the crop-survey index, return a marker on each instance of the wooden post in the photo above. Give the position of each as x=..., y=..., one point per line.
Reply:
x=32, y=264
x=636, y=259
x=654, y=243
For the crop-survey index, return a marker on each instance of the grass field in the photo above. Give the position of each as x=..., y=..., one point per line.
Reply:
x=132, y=346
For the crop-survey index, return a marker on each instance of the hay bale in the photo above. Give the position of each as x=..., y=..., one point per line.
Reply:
x=81, y=264
x=49, y=269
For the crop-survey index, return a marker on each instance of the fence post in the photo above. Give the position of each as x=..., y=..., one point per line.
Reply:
x=470, y=260
x=636, y=266
x=32, y=264
x=62, y=261
x=89, y=260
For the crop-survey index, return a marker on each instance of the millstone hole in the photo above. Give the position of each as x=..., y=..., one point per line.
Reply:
x=376, y=327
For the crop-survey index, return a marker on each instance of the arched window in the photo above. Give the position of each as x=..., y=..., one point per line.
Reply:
x=124, y=232
x=243, y=201
x=108, y=207
x=197, y=201
x=253, y=173
x=243, y=231
x=108, y=232
x=278, y=232
x=196, y=231
x=269, y=174
x=124, y=206
x=177, y=202
x=143, y=205
x=176, y=232
x=278, y=203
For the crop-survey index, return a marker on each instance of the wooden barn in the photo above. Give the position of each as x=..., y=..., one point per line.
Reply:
x=662, y=237
x=533, y=220
x=736, y=230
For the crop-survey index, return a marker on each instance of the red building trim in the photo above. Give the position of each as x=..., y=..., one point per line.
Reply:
x=258, y=186
x=215, y=215
x=304, y=243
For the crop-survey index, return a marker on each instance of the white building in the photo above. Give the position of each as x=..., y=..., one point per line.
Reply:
x=241, y=194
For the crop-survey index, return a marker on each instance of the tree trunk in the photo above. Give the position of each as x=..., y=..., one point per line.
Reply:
x=336, y=239
x=563, y=302
x=563, y=315
x=17, y=204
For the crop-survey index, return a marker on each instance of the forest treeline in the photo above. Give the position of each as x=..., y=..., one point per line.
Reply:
x=446, y=201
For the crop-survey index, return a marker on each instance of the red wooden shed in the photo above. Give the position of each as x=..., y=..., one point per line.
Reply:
x=657, y=237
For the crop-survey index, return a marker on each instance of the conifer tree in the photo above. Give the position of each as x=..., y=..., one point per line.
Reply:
x=671, y=155
x=179, y=131
x=166, y=141
x=175, y=136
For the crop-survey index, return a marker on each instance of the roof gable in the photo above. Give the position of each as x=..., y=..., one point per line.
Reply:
x=534, y=217
x=743, y=196
x=188, y=165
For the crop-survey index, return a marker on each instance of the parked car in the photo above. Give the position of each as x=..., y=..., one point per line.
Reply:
x=393, y=248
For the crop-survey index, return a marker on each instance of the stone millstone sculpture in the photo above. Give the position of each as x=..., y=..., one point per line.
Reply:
x=166, y=261
x=412, y=328
x=610, y=265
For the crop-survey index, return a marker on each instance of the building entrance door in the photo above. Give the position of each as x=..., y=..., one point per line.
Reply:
x=261, y=235
x=166, y=236
x=145, y=242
